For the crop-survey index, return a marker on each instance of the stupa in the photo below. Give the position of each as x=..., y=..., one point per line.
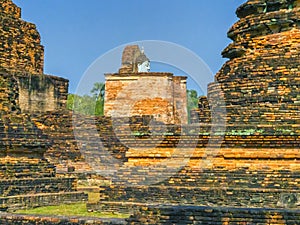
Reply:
x=261, y=80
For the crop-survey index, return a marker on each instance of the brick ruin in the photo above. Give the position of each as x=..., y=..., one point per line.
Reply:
x=203, y=113
x=27, y=178
x=260, y=82
x=22, y=58
x=20, y=42
x=252, y=176
x=161, y=95
x=249, y=175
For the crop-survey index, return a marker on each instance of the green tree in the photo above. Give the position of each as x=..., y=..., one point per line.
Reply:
x=98, y=92
x=86, y=104
x=70, y=101
x=81, y=104
x=192, y=101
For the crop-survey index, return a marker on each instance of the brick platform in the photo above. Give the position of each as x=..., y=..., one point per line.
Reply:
x=213, y=216
x=12, y=219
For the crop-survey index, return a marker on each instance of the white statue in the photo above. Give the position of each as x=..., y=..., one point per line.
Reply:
x=144, y=66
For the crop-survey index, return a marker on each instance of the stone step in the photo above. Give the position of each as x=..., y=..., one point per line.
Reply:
x=119, y=207
x=15, y=187
x=26, y=169
x=281, y=179
x=13, y=219
x=263, y=179
x=170, y=214
x=235, y=197
x=12, y=203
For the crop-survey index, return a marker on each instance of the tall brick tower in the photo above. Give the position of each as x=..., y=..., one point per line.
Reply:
x=20, y=48
x=261, y=80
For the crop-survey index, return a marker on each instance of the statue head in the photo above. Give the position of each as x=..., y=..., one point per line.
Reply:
x=144, y=67
x=143, y=63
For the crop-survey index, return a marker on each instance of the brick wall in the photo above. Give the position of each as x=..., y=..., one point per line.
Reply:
x=275, y=147
x=42, y=93
x=159, y=94
x=210, y=215
x=12, y=219
x=218, y=196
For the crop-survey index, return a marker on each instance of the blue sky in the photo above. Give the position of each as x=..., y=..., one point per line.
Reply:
x=75, y=33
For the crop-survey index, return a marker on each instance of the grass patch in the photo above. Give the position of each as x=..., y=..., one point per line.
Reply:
x=78, y=209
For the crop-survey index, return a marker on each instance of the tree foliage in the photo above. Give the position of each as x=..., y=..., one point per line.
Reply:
x=192, y=96
x=192, y=101
x=86, y=104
